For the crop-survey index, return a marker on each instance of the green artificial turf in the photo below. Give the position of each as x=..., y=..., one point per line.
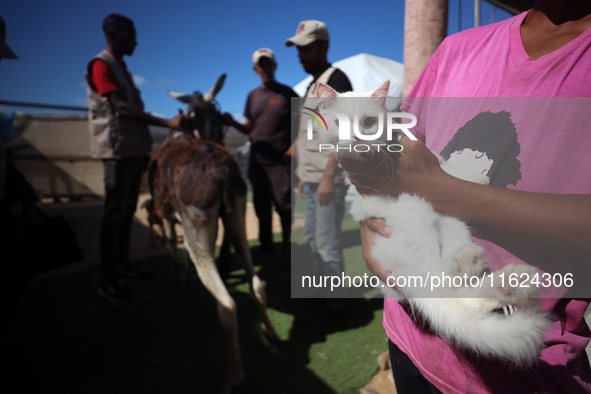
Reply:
x=167, y=339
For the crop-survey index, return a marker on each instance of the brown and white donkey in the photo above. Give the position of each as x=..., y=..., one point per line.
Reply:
x=195, y=181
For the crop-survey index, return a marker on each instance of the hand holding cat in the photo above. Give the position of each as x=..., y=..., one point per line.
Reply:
x=417, y=166
x=418, y=171
x=369, y=229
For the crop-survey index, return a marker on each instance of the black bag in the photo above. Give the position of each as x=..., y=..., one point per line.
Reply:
x=51, y=243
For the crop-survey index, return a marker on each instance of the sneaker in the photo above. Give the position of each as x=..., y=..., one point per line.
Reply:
x=113, y=291
x=130, y=274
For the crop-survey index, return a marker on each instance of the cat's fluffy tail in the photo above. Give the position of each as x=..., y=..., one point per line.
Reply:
x=516, y=339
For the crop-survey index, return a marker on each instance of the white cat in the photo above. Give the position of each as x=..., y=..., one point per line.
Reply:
x=486, y=315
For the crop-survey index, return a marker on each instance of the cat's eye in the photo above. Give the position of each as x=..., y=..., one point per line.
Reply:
x=479, y=156
x=369, y=120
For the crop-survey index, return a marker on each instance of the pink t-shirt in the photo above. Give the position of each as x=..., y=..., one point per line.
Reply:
x=482, y=77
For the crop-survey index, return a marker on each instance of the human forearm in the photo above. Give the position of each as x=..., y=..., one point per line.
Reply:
x=241, y=127
x=545, y=229
x=331, y=167
x=549, y=229
x=124, y=108
x=325, y=192
x=244, y=128
x=144, y=117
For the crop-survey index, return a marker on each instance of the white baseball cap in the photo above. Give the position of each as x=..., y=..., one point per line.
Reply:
x=263, y=52
x=308, y=32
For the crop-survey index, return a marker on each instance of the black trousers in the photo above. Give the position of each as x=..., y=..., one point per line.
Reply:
x=407, y=377
x=15, y=266
x=271, y=185
x=122, y=178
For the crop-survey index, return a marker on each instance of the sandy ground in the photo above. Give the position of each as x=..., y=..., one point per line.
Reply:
x=85, y=217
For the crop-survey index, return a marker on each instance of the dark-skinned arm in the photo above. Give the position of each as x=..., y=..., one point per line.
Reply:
x=325, y=193
x=121, y=105
x=244, y=128
x=551, y=231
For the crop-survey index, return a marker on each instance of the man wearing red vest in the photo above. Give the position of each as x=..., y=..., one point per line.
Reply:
x=119, y=136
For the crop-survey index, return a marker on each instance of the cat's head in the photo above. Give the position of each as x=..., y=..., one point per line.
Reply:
x=365, y=141
x=364, y=111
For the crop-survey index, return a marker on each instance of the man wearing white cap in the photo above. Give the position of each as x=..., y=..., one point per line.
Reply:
x=268, y=123
x=321, y=180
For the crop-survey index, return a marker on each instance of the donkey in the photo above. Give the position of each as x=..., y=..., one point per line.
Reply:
x=194, y=181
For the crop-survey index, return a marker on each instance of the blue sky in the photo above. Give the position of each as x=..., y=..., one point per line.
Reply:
x=185, y=45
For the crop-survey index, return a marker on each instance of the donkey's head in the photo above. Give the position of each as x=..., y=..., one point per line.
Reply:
x=205, y=120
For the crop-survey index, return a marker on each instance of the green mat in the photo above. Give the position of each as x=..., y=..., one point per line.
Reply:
x=66, y=339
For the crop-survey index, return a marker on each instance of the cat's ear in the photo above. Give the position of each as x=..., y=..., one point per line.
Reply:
x=323, y=90
x=381, y=91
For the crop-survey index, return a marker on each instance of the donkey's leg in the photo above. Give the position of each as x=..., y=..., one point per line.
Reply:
x=235, y=227
x=152, y=233
x=200, y=232
x=224, y=258
x=171, y=237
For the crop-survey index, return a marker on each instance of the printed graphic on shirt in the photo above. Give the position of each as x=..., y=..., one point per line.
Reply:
x=487, y=144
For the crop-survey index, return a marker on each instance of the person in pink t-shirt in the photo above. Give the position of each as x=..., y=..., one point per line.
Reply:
x=537, y=209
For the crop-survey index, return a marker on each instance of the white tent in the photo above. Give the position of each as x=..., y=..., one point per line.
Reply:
x=366, y=72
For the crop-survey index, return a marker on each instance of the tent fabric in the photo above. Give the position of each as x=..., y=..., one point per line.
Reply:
x=366, y=72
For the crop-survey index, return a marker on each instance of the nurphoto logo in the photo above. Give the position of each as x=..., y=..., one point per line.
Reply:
x=316, y=119
x=350, y=131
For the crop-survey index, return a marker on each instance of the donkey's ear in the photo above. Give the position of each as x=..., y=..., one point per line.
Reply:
x=182, y=97
x=211, y=93
x=323, y=90
x=382, y=90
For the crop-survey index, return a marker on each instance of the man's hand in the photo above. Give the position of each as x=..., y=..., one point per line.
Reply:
x=325, y=192
x=228, y=119
x=301, y=184
x=368, y=172
x=177, y=122
x=414, y=171
x=369, y=229
x=120, y=104
x=287, y=155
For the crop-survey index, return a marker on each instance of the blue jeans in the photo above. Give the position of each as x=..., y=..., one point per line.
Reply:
x=323, y=230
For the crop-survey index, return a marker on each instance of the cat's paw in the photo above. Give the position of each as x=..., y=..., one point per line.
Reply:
x=514, y=281
x=469, y=260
